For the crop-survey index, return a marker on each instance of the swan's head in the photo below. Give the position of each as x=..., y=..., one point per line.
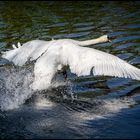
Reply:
x=106, y=38
x=110, y=38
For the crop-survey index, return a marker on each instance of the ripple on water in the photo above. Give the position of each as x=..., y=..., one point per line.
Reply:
x=135, y=60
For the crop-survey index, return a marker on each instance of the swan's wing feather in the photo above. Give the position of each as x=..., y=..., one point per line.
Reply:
x=28, y=51
x=84, y=61
x=14, y=46
x=18, y=44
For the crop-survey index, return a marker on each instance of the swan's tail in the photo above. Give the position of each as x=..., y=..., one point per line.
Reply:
x=102, y=39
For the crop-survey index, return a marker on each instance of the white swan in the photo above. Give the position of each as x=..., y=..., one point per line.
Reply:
x=53, y=55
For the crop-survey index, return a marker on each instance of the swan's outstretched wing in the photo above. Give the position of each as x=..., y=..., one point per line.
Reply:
x=28, y=51
x=85, y=61
x=34, y=49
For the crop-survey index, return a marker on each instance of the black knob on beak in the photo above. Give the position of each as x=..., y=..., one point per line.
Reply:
x=110, y=38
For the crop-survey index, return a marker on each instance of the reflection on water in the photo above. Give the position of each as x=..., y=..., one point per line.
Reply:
x=82, y=107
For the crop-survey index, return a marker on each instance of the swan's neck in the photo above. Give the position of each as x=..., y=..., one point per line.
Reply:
x=101, y=39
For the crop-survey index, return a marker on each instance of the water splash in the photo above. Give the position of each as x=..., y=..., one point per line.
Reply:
x=15, y=87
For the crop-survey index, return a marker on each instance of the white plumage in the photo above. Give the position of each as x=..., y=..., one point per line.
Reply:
x=52, y=55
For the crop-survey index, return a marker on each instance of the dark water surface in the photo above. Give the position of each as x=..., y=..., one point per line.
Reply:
x=82, y=107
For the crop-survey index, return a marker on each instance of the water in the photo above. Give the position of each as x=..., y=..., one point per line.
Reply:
x=81, y=107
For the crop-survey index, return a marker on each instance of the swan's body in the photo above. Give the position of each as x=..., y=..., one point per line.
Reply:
x=52, y=56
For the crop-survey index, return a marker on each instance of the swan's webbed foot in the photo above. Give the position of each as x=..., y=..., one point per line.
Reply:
x=65, y=74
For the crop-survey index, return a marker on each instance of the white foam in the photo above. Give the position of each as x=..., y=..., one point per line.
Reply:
x=108, y=108
x=42, y=102
x=116, y=105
